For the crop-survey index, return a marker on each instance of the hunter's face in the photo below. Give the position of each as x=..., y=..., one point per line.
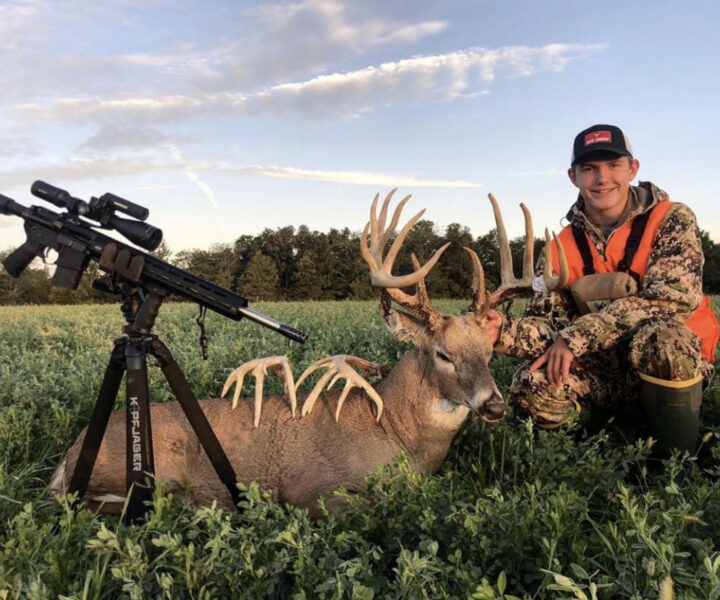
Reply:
x=604, y=185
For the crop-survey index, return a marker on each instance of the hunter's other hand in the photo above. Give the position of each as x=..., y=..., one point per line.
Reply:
x=493, y=325
x=557, y=359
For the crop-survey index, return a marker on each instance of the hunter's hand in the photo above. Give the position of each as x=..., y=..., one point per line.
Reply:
x=557, y=359
x=493, y=325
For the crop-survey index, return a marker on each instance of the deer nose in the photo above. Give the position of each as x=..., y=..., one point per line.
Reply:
x=493, y=409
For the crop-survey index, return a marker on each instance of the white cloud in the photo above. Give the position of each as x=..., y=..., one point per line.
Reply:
x=437, y=77
x=14, y=146
x=74, y=170
x=155, y=187
x=242, y=49
x=16, y=21
x=112, y=136
x=303, y=38
x=353, y=177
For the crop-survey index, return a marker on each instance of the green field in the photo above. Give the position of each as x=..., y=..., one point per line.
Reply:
x=514, y=513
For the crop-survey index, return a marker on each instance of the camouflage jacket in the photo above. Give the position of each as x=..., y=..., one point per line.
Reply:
x=671, y=289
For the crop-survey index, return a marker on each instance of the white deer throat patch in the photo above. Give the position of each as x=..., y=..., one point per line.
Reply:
x=448, y=414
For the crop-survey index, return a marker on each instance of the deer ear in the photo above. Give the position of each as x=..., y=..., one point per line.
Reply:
x=405, y=327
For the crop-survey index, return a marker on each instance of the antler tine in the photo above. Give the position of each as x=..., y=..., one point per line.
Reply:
x=506, y=266
x=396, y=218
x=479, y=303
x=365, y=251
x=418, y=303
x=509, y=284
x=338, y=367
x=380, y=268
x=373, y=224
x=419, y=274
x=383, y=211
x=552, y=281
x=397, y=244
x=529, y=254
x=278, y=365
x=420, y=287
x=378, y=235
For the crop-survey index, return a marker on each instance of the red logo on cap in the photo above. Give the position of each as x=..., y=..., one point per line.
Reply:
x=597, y=137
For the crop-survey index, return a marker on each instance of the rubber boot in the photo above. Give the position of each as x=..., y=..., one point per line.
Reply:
x=672, y=413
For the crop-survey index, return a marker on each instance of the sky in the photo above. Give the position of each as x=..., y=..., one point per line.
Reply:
x=226, y=118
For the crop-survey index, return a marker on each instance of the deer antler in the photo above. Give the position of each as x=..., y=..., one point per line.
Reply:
x=381, y=268
x=278, y=366
x=339, y=366
x=509, y=284
x=552, y=281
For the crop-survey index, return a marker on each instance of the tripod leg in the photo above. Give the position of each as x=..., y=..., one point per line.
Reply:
x=139, y=457
x=99, y=420
x=196, y=417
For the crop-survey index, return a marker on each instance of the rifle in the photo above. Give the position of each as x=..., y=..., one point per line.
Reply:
x=143, y=281
x=76, y=243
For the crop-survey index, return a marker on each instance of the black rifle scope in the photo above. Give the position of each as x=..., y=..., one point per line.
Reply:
x=102, y=210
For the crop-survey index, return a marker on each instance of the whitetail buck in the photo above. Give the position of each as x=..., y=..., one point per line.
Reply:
x=419, y=405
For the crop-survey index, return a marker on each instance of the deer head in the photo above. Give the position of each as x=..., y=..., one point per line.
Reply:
x=455, y=349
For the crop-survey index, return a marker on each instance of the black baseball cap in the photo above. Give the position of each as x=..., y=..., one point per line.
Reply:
x=600, y=139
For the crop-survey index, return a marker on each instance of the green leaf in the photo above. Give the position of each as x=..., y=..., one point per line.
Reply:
x=501, y=582
x=579, y=571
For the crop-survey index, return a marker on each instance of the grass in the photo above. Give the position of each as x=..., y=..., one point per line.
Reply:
x=514, y=513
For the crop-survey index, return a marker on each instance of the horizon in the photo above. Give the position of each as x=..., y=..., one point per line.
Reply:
x=225, y=119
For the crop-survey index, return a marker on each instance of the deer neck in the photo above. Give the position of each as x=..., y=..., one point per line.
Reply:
x=416, y=414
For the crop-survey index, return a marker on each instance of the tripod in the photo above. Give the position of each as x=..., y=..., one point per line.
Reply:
x=140, y=307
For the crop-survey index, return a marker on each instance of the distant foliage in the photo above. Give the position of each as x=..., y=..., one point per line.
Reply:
x=711, y=272
x=260, y=278
x=299, y=264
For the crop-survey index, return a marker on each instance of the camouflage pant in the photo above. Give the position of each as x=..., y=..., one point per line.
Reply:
x=666, y=350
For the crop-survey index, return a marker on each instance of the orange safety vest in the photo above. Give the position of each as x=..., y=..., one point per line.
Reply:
x=703, y=321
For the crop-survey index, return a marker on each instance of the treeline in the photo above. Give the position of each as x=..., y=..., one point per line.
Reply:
x=299, y=264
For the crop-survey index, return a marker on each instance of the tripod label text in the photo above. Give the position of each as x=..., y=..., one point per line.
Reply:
x=135, y=434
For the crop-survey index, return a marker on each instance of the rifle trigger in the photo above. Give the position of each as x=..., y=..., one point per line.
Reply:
x=204, y=342
x=47, y=258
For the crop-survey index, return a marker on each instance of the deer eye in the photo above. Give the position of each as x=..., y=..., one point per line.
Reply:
x=442, y=356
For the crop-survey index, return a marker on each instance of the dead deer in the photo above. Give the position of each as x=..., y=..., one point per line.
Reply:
x=419, y=405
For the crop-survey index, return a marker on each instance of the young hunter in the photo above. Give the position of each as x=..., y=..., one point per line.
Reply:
x=631, y=331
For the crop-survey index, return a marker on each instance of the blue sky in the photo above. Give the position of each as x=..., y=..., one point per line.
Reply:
x=224, y=118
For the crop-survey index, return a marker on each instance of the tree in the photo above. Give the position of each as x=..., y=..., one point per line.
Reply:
x=8, y=284
x=216, y=264
x=487, y=248
x=32, y=287
x=422, y=240
x=455, y=264
x=162, y=252
x=279, y=246
x=260, y=279
x=306, y=283
x=343, y=263
x=711, y=270
x=517, y=250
